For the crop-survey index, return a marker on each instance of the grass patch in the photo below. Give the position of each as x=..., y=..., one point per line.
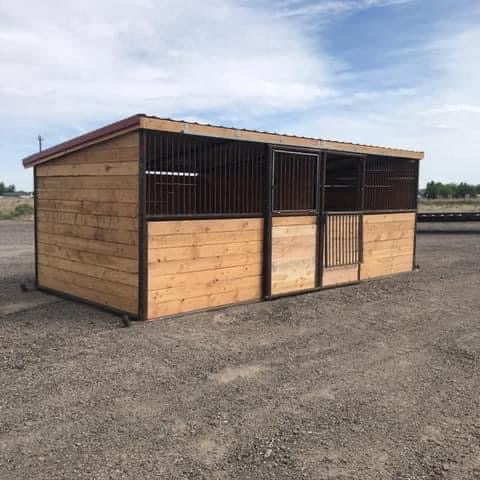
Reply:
x=20, y=211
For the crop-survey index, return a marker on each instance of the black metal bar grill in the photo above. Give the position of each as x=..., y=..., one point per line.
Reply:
x=342, y=239
x=190, y=176
x=343, y=182
x=390, y=184
x=294, y=181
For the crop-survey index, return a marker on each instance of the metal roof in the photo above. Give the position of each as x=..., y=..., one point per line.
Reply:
x=166, y=124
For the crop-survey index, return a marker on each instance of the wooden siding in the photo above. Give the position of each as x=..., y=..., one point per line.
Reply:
x=388, y=243
x=87, y=226
x=198, y=264
x=339, y=275
x=293, y=253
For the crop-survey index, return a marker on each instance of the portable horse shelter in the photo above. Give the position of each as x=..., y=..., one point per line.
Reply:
x=154, y=217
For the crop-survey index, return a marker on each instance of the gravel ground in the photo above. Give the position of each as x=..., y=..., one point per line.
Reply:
x=375, y=381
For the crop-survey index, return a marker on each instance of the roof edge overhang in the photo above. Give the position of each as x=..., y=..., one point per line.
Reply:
x=101, y=134
x=143, y=121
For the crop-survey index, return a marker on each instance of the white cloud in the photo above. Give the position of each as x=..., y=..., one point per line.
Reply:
x=441, y=118
x=326, y=8
x=166, y=56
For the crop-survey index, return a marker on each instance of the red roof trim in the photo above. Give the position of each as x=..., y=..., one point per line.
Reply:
x=117, y=127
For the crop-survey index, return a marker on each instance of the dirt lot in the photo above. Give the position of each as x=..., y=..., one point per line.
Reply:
x=377, y=381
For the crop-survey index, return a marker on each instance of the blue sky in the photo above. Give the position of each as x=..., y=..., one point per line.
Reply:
x=402, y=73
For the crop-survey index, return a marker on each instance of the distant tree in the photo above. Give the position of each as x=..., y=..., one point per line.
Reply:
x=464, y=189
x=431, y=190
x=450, y=190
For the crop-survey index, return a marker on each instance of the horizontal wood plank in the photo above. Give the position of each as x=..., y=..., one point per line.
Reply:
x=89, y=233
x=212, y=238
x=339, y=275
x=202, y=289
x=190, y=279
x=90, y=169
x=87, y=281
x=117, y=196
x=127, y=182
x=294, y=220
x=159, y=269
x=88, y=258
x=173, y=227
x=113, y=209
x=92, y=246
x=96, y=221
x=203, y=251
x=129, y=305
x=156, y=310
x=95, y=271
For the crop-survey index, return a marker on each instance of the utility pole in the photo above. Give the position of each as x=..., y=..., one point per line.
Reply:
x=40, y=140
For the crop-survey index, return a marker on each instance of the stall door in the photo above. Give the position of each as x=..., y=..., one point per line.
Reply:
x=295, y=189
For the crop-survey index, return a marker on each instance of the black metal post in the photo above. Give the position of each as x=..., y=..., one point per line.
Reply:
x=414, y=265
x=142, y=231
x=35, y=222
x=267, y=223
x=321, y=224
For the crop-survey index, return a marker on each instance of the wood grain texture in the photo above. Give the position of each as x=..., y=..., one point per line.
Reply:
x=265, y=137
x=87, y=227
x=388, y=243
x=293, y=253
x=198, y=264
x=339, y=275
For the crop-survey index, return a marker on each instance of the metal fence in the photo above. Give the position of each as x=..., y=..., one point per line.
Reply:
x=187, y=175
x=342, y=239
x=390, y=184
x=294, y=181
x=193, y=176
x=343, y=182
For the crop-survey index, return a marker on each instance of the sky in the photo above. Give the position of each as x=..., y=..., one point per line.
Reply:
x=398, y=73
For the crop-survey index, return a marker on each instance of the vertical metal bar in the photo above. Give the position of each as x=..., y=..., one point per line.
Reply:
x=142, y=231
x=318, y=212
x=185, y=177
x=322, y=232
x=267, y=223
x=414, y=266
x=362, y=183
x=35, y=222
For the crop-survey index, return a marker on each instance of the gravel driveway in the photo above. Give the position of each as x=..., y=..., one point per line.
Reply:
x=375, y=381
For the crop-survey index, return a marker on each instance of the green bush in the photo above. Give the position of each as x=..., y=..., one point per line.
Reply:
x=21, y=210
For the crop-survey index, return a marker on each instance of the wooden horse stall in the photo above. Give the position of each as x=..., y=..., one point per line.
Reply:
x=153, y=217
x=86, y=222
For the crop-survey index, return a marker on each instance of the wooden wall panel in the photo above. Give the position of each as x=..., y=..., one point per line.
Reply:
x=87, y=226
x=198, y=264
x=388, y=243
x=293, y=253
x=340, y=275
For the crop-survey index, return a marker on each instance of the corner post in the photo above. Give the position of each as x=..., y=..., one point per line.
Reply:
x=267, y=223
x=320, y=208
x=142, y=231
x=35, y=222
x=414, y=265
